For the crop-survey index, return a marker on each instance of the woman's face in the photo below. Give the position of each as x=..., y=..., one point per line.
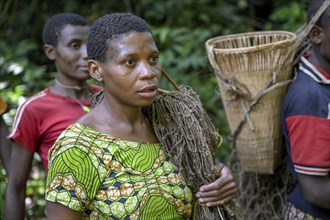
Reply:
x=129, y=74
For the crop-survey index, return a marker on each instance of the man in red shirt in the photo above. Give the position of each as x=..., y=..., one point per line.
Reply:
x=42, y=117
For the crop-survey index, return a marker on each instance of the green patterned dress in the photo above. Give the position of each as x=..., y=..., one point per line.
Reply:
x=109, y=178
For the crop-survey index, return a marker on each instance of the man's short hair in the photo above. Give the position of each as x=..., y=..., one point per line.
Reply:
x=56, y=23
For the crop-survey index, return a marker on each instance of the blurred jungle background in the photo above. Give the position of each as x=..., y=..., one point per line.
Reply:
x=180, y=27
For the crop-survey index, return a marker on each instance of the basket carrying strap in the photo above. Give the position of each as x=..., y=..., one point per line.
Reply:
x=230, y=84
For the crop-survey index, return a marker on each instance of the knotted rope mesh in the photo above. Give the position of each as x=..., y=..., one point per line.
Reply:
x=263, y=196
x=188, y=135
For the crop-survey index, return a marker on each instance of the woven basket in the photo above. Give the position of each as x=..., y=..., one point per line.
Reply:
x=253, y=71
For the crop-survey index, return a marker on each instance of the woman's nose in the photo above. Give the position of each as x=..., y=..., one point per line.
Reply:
x=147, y=72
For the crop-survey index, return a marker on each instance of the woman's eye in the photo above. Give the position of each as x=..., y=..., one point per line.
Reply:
x=129, y=62
x=154, y=59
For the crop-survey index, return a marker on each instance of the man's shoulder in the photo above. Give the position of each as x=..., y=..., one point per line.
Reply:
x=38, y=100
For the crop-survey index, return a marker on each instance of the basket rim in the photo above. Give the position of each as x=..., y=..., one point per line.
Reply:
x=214, y=40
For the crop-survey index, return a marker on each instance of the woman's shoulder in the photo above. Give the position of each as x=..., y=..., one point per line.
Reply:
x=81, y=138
x=70, y=138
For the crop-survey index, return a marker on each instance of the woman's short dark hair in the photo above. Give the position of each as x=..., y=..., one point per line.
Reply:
x=109, y=27
x=55, y=24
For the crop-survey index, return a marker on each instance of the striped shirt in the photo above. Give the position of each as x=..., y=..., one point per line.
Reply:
x=306, y=128
x=41, y=119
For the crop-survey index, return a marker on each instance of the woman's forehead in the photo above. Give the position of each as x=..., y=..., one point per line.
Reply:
x=134, y=42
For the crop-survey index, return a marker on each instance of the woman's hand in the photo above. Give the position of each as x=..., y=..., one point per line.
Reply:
x=220, y=191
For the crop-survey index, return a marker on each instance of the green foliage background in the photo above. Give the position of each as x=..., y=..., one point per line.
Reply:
x=180, y=27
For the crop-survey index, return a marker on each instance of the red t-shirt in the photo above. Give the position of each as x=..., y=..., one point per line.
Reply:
x=42, y=118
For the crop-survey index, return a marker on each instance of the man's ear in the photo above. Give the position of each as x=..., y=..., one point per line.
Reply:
x=316, y=35
x=49, y=51
x=94, y=70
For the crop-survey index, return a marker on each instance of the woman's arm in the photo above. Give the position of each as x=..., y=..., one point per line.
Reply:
x=59, y=211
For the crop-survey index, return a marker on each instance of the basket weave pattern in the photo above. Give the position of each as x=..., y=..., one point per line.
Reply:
x=253, y=71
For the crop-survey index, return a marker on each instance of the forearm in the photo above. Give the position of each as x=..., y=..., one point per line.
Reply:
x=20, y=166
x=14, y=203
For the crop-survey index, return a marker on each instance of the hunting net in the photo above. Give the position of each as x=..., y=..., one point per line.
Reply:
x=262, y=196
x=189, y=137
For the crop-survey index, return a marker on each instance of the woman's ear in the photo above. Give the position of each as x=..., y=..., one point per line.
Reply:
x=316, y=35
x=49, y=51
x=94, y=70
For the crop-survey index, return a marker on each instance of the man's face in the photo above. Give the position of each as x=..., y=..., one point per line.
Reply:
x=70, y=52
x=325, y=46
